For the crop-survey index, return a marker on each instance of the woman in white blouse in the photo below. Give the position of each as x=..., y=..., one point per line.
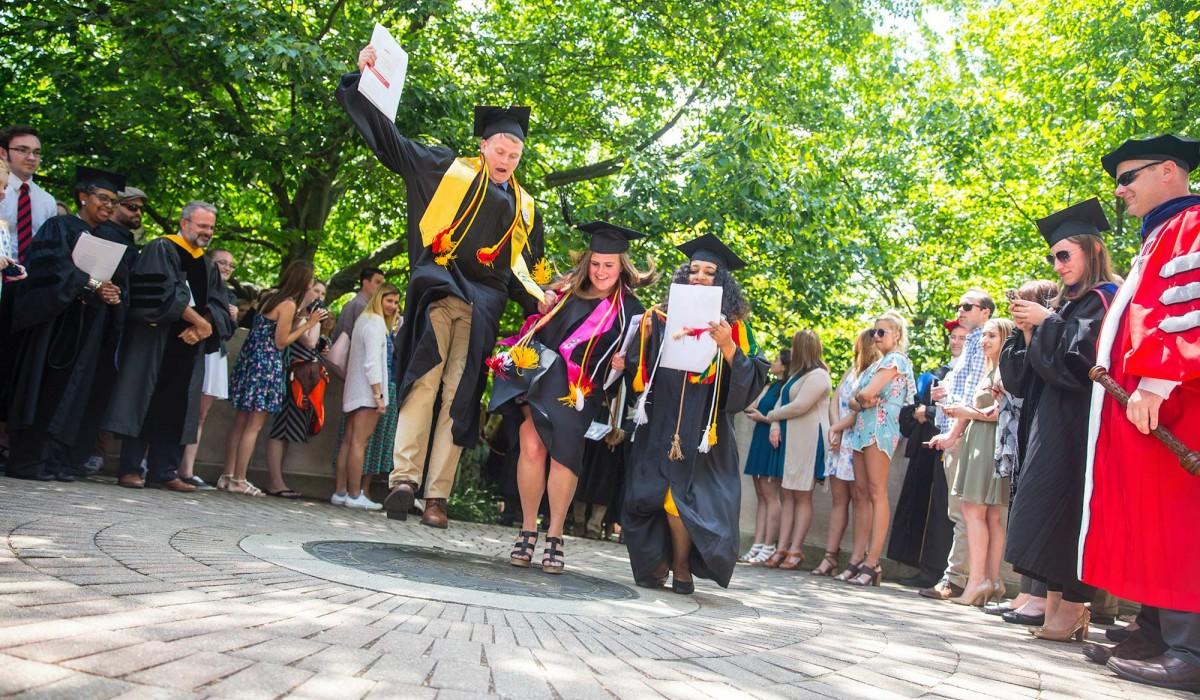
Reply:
x=364, y=398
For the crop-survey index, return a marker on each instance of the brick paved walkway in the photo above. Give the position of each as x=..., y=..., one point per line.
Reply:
x=107, y=592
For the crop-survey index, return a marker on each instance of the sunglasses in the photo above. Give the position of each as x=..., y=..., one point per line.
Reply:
x=878, y=332
x=1126, y=178
x=967, y=306
x=135, y=208
x=1062, y=256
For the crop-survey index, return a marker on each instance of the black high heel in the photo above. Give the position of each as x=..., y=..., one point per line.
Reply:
x=683, y=587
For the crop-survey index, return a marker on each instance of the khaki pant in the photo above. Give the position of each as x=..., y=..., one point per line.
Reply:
x=450, y=319
x=957, y=564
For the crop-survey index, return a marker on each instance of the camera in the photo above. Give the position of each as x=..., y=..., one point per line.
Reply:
x=316, y=304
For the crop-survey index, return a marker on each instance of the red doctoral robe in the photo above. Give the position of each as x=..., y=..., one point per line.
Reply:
x=1139, y=538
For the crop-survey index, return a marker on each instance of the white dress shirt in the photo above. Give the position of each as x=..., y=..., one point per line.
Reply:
x=42, y=204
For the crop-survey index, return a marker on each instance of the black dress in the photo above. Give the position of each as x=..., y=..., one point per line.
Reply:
x=562, y=427
x=1046, y=513
x=706, y=487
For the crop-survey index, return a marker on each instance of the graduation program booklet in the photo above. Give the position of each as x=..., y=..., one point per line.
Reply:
x=97, y=257
x=687, y=344
x=383, y=82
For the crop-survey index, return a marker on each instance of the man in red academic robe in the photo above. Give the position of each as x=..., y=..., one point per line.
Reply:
x=1139, y=538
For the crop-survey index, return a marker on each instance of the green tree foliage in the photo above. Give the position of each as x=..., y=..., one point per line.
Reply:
x=860, y=156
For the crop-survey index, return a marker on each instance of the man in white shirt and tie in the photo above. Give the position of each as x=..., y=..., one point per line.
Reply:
x=25, y=206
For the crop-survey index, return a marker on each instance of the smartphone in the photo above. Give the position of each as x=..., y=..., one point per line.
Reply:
x=316, y=304
x=1011, y=294
x=13, y=270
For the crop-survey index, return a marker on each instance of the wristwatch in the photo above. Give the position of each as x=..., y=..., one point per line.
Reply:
x=93, y=284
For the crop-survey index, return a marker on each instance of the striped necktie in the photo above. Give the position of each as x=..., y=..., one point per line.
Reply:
x=24, y=224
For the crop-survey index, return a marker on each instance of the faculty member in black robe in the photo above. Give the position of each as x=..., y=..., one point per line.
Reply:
x=1046, y=513
x=470, y=229
x=178, y=300
x=581, y=334
x=681, y=504
x=66, y=327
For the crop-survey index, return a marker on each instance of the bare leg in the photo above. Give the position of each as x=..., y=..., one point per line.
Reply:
x=801, y=522
x=232, y=441
x=187, y=466
x=839, y=513
x=245, y=449
x=773, y=532
x=975, y=519
x=760, y=511
x=861, y=500
x=878, y=464
x=276, y=452
x=681, y=547
x=364, y=421
x=787, y=516
x=531, y=473
x=995, y=542
x=561, y=485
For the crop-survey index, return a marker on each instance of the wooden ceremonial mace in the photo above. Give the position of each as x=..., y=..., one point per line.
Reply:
x=1189, y=459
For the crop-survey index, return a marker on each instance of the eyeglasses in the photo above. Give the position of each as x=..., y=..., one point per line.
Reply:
x=967, y=306
x=878, y=332
x=105, y=199
x=26, y=151
x=1062, y=256
x=135, y=208
x=1126, y=178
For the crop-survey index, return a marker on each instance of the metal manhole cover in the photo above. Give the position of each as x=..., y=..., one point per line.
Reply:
x=463, y=570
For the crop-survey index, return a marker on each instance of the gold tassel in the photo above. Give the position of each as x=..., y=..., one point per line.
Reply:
x=712, y=436
x=541, y=272
x=444, y=260
x=676, y=453
x=614, y=438
x=523, y=357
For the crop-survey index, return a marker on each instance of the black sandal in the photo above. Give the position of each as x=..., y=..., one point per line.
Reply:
x=522, y=553
x=867, y=575
x=552, y=562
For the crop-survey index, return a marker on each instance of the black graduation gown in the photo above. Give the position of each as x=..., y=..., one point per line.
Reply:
x=561, y=427
x=706, y=487
x=603, y=466
x=486, y=288
x=1046, y=514
x=157, y=392
x=922, y=533
x=64, y=337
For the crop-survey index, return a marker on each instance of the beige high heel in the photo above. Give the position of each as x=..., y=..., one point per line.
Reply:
x=976, y=597
x=1076, y=632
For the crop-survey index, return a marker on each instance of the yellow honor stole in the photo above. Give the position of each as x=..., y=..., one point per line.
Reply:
x=194, y=251
x=467, y=181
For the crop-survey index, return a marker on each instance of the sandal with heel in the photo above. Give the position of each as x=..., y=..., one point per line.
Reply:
x=522, y=551
x=850, y=572
x=552, y=561
x=867, y=576
x=828, y=564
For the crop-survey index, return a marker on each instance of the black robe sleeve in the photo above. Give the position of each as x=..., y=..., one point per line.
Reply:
x=158, y=288
x=1014, y=366
x=747, y=377
x=54, y=282
x=1063, y=349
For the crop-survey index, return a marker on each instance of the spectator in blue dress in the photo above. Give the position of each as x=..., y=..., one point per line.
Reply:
x=258, y=381
x=883, y=389
x=764, y=464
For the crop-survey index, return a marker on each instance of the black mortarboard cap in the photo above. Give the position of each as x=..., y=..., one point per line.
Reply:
x=1085, y=218
x=709, y=248
x=609, y=238
x=99, y=178
x=1184, y=151
x=490, y=121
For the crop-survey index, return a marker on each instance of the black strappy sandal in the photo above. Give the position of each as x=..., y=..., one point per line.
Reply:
x=552, y=562
x=522, y=552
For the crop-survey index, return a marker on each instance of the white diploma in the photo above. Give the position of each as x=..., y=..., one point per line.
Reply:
x=687, y=344
x=97, y=257
x=383, y=82
x=631, y=332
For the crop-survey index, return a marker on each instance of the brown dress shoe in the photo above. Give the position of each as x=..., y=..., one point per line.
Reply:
x=1162, y=671
x=400, y=500
x=435, y=513
x=944, y=590
x=131, y=481
x=175, y=484
x=1135, y=647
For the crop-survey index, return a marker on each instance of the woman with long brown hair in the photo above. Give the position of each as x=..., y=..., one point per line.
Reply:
x=257, y=383
x=801, y=423
x=584, y=330
x=1051, y=372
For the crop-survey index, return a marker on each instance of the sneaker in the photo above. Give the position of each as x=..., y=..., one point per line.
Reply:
x=93, y=465
x=200, y=484
x=363, y=503
x=339, y=499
